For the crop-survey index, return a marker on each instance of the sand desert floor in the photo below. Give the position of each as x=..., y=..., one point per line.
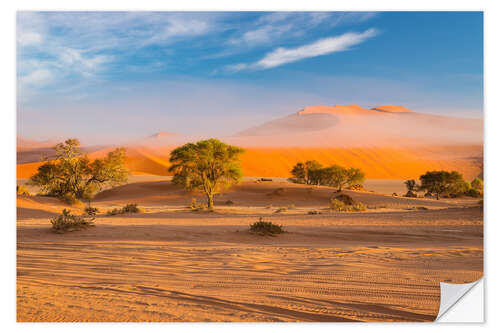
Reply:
x=172, y=264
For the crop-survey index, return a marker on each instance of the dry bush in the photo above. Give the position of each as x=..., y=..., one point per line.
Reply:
x=229, y=203
x=67, y=222
x=128, y=208
x=340, y=206
x=314, y=212
x=91, y=210
x=264, y=228
x=347, y=200
x=196, y=206
x=21, y=190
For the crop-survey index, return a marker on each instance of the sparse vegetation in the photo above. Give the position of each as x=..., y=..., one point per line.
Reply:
x=229, y=203
x=314, y=212
x=196, y=206
x=440, y=183
x=91, y=210
x=347, y=200
x=67, y=222
x=313, y=173
x=265, y=179
x=281, y=210
x=264, y=228
x=21, y=190
x=340, y=206
x=128, y=208
x=72, y=177
x=207, y=165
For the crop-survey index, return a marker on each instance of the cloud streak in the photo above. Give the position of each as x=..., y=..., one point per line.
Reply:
x=281, y=55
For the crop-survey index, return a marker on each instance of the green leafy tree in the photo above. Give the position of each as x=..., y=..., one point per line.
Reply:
x=208, y=165
x=411, y=185
x=340, y=177
x=306, y=173
x=440, y=182
x=477, y=184
x=72, y=176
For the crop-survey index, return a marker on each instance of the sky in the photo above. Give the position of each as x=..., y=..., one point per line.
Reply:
x=115, y=76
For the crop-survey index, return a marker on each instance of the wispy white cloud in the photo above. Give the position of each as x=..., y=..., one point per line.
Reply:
x=281, y=56
x=271, y=27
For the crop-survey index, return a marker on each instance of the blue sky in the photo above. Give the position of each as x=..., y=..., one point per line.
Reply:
x=111, y=76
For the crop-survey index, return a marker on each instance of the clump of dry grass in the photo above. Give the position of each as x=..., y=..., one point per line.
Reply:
x=264, y=228
x=68, y=222
x=128, y=208
x=21, y=190
x=340, y=206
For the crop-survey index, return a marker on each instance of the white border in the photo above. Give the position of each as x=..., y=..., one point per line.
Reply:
x=8, y=128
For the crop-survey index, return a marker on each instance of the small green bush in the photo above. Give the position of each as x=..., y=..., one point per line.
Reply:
x=131, y=208
x=21, y=190
x=337, y=205
x=68, y=222
x=266, y=228
x=340, y=206
x=347, y=200
x=128, y=208
x=91, y=210
x=358, y=207
x=473, y=193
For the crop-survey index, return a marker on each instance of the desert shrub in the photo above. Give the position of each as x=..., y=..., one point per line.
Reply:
x=114, y=211
x=356, y=187
x=128, y=208
x=337, y=205
x=229, y=203
x=21, y=190
x=281, y=209
x=422, y=208
x=266, y=180
x=314, y=212
x=347, y=200
x=196, y=206
x=358, y=207
x=477, y=184
x=472, y=192
x=68, y=222
x=266, y=228
x=394, y=194
x=411, y=194
x=131, y=208
x=91, y=210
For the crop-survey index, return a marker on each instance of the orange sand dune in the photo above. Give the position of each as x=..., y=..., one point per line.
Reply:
x=386, y=163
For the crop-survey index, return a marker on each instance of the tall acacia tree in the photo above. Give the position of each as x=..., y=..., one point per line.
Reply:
x=207, y=165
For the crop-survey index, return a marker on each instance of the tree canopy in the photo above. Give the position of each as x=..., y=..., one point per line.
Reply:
x=73, y=176
x=311, y=172
x=440, y=182
x=208, y=165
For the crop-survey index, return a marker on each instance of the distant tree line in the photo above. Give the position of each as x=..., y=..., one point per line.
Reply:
x=444, y=184
x=313, y=173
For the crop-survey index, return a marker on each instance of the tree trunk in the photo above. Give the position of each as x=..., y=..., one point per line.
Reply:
x=210, y=201
x=437, y=196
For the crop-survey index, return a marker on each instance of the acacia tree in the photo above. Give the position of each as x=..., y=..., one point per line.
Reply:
x=339, y=177
x=306, y=172
x=73, y=176
x=208, y=165
x=439, y=182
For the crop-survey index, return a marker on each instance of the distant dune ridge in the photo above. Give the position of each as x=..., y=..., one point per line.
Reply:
x=388, y=141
